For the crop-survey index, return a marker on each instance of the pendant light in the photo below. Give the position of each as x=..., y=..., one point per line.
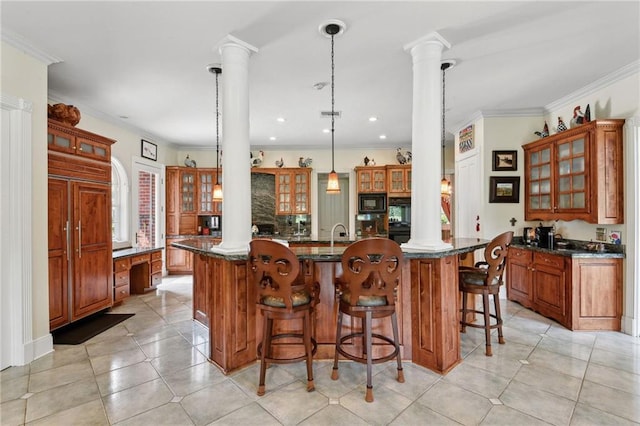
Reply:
x=217, y=187
x=331, y=29
x=445, y=185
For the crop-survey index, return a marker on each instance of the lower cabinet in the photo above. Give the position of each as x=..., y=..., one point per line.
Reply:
x=579, y=293
x=136, y=271
x=178, y=261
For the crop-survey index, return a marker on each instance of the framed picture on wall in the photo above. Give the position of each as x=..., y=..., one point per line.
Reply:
x=505, y=161
x=504, y=189
x=149, y=150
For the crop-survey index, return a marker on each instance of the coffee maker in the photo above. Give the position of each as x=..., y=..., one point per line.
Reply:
x=545, y=236
x=529, y=235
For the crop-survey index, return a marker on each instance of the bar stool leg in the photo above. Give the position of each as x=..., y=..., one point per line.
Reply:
x=487, y=322
x=496, y=302
x=334, y=372
x=368, y=338
x=463, y=320
x=308, y=350
x=394, y=325
x=263, y=353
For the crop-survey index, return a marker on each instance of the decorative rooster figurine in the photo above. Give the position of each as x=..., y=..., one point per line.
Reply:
x=578, y=117
x=189, y=162
x=561, y=126
x=280, y=162
x=401, y=158
x=255, y=162
x=545, y=131
x=304, y=162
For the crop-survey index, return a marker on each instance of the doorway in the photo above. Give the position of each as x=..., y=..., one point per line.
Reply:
x=148, y=203
x=332, y=208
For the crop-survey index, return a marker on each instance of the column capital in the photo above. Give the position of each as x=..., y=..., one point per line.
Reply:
x=433, y=37
x=230, y=40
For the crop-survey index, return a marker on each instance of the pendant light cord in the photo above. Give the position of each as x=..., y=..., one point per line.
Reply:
x=217, y=133
x=333, y=115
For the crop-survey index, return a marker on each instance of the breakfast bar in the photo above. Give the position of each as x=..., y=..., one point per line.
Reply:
x=427, y=306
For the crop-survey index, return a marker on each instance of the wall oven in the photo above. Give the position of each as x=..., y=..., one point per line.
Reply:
x=400, y=219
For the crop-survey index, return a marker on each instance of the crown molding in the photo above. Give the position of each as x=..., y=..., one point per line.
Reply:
x=601, y=83
x=24, y=45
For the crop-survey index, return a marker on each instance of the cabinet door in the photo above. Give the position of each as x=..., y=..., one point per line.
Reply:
x=283, y=193
x=549, y=286
x=93, y=149
x=58, y=242
x=365, y=181
x=572, y=180
x=518, y=276
x=301, y=192
x=379, y=181
x=202, y=288
x=92, y=277
x=172, y=200
x=187, y=191
x=396, y=181
x=206, y=179
x=61, y=141
x=178, y=260
x=538, y=191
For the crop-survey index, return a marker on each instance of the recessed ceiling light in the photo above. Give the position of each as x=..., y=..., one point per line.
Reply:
x=124, y=117
x=280, y=119
x=383, y=136
x=325, y=130
x=372, y=119
x=272, y=138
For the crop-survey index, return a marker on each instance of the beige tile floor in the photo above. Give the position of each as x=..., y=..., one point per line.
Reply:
x=151, y=370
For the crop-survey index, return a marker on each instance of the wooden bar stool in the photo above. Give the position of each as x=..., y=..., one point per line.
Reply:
x=485, y=279
x=281, y=295
x=367, y=290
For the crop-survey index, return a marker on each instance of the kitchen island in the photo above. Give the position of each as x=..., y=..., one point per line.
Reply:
x=428, y=299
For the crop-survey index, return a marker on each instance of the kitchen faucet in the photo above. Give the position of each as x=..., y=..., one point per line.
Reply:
x=333, y=230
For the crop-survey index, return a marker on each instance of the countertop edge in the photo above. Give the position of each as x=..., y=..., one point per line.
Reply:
x=132, y=251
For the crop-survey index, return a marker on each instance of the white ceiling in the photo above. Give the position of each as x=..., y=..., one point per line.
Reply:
x=147, y=61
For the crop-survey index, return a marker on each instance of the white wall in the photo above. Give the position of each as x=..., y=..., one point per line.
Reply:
x=25, y=77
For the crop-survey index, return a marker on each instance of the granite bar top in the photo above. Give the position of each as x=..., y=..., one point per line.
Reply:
x=578, y=249
x=333, y=254
x=132, y=251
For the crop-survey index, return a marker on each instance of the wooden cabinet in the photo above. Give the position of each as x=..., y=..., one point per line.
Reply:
x=178, y=261
x=399, y=180
x=136, y=271
x=79, y=222
x=121, y=281
x=579, y=293
x=181, y=200
x=293, y=190
x=371, y=179
x=576, y=174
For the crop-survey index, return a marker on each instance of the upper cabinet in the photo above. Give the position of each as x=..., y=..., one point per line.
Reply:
x=206, y=180
x=399, y=180
x=64, y=138
x=576, y=174
x=293, y=190
x=371, y=179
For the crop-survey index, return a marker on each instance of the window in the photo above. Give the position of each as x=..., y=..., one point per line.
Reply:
x=119, y=202
x=147, y=203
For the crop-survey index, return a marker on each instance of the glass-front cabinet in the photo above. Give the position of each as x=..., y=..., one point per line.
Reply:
x=399, y=181
x=371, y=179
x=576, y=174
x=206, y=180
x=293, y=190
x=187, y=191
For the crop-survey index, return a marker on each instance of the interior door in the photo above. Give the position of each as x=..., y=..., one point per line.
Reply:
x=332, y=208
x=467, y=202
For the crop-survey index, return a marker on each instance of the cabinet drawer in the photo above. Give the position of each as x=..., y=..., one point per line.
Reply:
x=120, y=265
x=549, y=260
x=141, y=258
x=121, y=293
x=156, y=255
x=521, y=255
x=121, y=278
x=156, y=279
x=156, y=267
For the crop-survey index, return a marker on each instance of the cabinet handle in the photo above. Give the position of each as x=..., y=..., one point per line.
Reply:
x=79, y=240
x=66, y=229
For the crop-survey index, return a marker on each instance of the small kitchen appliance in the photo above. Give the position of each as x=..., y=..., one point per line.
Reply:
x=545, y=236
x=529, y=235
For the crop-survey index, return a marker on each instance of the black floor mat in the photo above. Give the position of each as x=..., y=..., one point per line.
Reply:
x=84, y=329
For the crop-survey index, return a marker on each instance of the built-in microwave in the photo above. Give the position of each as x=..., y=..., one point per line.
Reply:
x=372, y=203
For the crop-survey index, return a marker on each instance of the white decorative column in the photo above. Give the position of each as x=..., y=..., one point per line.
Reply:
x=426, y=144
x=236, y=168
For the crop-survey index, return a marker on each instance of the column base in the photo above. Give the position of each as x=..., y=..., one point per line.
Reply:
x=229, y=249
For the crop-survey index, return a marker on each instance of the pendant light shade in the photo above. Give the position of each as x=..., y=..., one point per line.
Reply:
x=331, y=29
x=445, y=185
x=217, y=187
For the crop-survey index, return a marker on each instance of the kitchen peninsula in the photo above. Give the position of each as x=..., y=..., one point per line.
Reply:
x=427, y=306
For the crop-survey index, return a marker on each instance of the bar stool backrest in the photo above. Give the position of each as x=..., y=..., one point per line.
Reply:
x=275, y=269
x=371, y=268
x=495, y=255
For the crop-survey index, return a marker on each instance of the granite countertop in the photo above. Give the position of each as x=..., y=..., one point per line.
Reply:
x=132, y=251
x=577, y=249
x=333, y=254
